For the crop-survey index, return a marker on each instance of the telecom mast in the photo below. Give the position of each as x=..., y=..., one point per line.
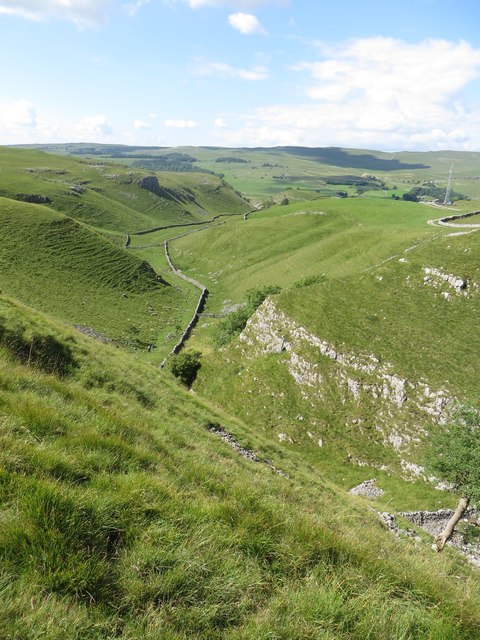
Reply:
x=449, y=187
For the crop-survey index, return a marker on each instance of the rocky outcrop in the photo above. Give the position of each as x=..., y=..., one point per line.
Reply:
x=150, y=183
x=434, y=522
x=226, y=436
x=367, y=489
x=434, y=277
x=270, y=330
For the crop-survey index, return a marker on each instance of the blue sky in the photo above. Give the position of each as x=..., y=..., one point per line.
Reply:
x=368, y=74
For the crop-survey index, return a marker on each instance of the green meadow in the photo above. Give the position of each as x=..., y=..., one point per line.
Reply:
x=283, y=244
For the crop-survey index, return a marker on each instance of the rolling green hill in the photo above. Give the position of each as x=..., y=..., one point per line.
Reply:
x=269, y=172
x=282, y=245
x=58, y=265
x=113, y=197
x=367, y=359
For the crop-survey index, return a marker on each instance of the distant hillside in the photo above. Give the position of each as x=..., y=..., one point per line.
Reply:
x=264, y=172
x=113, y=197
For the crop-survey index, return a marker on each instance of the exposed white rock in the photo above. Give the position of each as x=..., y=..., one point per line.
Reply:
x=270, y=330
x=411, y=469
x=396, y=440
x=355, y=387
x=435, y=277
x=394, y=389
x=304, y=372
x=367, y=489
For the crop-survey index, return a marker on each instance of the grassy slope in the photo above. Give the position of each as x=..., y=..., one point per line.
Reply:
x=285, y=244
x=117, y=521
x=401, y=318
x=110, y=196
x=269, y=171
x=117, y=517
x=58, y=265
x=388, y=311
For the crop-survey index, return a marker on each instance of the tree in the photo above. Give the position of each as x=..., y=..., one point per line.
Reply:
x=185, y=366
x=455, y=458
x=411, y=197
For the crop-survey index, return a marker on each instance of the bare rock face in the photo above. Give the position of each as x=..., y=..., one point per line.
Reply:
x=150, y=183
x=434, y=277
x=367, y=489
x=434, y=523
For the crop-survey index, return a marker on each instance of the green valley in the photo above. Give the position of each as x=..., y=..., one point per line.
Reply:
x=133, y=507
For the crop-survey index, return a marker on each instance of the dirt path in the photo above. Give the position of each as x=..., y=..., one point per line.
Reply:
x=447, y=221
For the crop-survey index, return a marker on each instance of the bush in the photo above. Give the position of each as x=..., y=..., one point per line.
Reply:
x=309, y=280
x=455, y=453
x=185, y=366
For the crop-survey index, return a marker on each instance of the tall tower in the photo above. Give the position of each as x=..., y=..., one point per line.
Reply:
x=449, y=187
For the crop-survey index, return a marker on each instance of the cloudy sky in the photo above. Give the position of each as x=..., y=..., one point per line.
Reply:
x=377, y=74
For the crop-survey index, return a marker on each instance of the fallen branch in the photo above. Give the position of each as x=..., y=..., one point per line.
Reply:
x=441, y=539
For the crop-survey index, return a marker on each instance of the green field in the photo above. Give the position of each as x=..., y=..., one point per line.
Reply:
x=272, y=172
x=110, y=196
x=57, y=265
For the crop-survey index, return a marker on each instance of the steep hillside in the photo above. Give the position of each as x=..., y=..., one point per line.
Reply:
x=365, y=364
x=58, y=265
x=118, y=521
x=265, y=172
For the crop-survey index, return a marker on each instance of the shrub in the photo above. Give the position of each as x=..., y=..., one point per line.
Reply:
x=309, y=280
x=455, y=453
x=185, y=366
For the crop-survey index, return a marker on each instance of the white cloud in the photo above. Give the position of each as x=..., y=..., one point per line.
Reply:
x=19, y=122
x=378, y=92
x=220, y=123
x=132, y=8
x=153, y=115
x=246, y=23
x=19, y=114
x=243, y=4
x=259, y=72
x=140, y=124
x=84, y=13
x=93, y=128
x=181, y=124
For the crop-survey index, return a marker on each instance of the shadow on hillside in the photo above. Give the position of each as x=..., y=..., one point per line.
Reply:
x=341, y=158
x=44, y=351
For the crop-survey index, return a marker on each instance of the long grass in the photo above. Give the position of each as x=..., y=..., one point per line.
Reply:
x=122, y=516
